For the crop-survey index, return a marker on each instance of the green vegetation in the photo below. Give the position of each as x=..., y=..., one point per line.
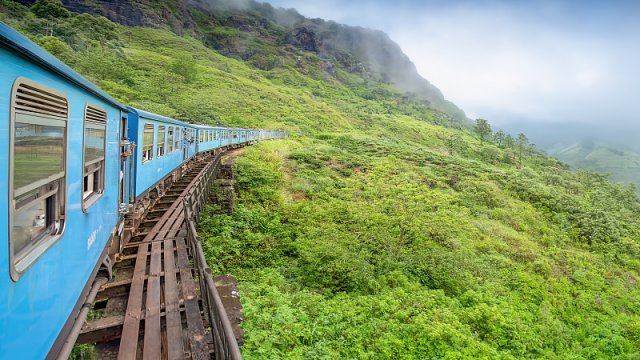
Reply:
x=384, y=229
x=621, y=165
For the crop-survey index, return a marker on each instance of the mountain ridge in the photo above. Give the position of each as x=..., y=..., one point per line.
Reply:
x=620, y=164
x=271, y=37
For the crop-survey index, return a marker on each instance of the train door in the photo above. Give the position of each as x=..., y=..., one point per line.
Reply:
x=185, y=144
x=125, y=167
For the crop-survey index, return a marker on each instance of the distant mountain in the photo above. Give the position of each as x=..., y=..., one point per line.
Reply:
x=269, y=38
x=621, y=165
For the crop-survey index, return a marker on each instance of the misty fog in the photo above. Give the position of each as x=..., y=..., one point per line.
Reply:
x=570, y=67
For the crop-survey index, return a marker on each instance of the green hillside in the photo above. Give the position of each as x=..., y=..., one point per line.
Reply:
x=385, y=229
x=621, y=165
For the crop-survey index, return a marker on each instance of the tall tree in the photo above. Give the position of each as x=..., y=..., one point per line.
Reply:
x=483, y=129
x=509, y=141
x=499, y=137
x=521, y=143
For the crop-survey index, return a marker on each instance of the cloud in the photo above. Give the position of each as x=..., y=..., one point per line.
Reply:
x=539, y=61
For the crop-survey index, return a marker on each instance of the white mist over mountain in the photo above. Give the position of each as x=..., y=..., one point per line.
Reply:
x=523, y=66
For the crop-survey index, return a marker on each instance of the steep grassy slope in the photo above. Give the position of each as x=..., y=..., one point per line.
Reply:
x=381, y=231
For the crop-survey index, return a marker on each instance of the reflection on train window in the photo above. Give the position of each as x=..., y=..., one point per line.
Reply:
x=177, y=139
x=37, y=171
x=161, y=134
x=95, y=130
x=170, y=140
x=147, y=142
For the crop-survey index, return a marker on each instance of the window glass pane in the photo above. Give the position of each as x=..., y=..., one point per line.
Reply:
x=161, y=135
x=147, y=138
x=38, y=152
x=94, y=144
x=29, y=223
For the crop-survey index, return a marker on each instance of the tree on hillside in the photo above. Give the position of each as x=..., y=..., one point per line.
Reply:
x=185, y=66
x=509, y=141
x=499, y=137
x=49, y=8
x=452, y=141
x=521, y=143
x=483, y=129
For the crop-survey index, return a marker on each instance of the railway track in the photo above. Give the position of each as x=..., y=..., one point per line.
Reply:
x=152, y=308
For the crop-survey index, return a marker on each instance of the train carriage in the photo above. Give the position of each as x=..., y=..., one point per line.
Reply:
x=63, y=193
x=163, y=145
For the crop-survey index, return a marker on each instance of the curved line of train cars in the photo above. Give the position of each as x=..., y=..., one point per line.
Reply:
x=76, y=163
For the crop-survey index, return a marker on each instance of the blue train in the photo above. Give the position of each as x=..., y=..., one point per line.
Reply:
x=76, y=163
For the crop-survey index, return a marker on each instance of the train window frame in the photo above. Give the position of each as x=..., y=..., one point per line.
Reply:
x=178, y=137
x=41, y=106
x=93, y=173
x=160, y=147
x=147, y=149
x=170, y=134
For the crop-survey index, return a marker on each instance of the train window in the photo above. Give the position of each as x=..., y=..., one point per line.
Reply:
x=161, y=135
x=215, y=135
x=210, y=135
x=170, y=140
x=201, y=136
x=235, y=134
x=95, y=130
x=37, y=171
x=176, y=145
x=147, y=142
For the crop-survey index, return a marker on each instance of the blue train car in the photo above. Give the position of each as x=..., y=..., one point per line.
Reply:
x=209, y=138
x=63, y=181
x=163, y=145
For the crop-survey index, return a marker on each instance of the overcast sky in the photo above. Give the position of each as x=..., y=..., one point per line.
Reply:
x=513, y=61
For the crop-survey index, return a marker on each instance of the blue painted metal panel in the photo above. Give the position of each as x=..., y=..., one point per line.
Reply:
x=207, y=145
x=150, y=172
x=34, y=309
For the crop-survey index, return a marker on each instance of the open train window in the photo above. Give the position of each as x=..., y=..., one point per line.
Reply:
x=93, y=153
x=37, y=171
x=147, y=142
x=170, y=140
x=161, y=135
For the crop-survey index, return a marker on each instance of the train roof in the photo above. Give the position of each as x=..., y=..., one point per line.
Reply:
x=14, y=40
x=219, y=127
x=156, y=117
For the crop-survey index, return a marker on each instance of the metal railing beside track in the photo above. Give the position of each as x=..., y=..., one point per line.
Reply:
x=224, y=341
